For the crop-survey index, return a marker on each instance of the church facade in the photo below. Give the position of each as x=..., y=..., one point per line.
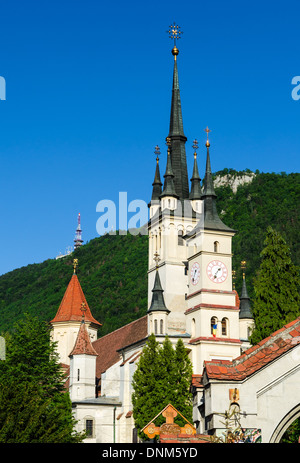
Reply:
x=190, y=296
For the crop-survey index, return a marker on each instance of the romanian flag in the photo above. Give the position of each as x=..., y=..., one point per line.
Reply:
x=214, y=331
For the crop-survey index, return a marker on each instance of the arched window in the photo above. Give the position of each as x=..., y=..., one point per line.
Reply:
x=224, y=326
x=213, y=326
x=180, y=238
x=155, y=326
x=193, y=328
x=216, y=246
x=161, y=327
x=89, y=427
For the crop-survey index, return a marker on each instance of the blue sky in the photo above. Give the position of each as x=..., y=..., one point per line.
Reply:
x=88, y=92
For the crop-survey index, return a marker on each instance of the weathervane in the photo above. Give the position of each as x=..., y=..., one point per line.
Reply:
x=157, y=152
x=207, y=130
x=195, y=146
x=168, y=143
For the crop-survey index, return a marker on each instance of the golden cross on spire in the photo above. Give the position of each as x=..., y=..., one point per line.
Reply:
x=174, y=32
x=207, y=130
x=75, y=265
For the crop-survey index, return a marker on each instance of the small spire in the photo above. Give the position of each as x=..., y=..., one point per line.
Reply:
x=157, y=184
x=196, y=180
x=212, y=220
x=245, y=306
x=158, y=302
x=233, y=279
x=169, y=188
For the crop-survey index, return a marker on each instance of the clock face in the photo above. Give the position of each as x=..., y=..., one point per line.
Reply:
x=217, y=271
x=195, y=273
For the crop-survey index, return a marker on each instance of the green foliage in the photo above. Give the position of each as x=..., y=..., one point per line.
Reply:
x=277, y=299
x=112, y=272
x=34, y=406
x=163, y=376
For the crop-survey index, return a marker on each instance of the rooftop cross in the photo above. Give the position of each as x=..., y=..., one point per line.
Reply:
x=174, y=32
x=207, y=130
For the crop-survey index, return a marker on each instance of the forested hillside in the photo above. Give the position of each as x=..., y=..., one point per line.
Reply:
x=113, y=269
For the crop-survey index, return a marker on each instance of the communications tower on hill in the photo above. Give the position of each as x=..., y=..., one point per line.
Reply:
x=78, y=236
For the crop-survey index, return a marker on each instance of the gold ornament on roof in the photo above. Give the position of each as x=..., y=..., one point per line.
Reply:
x=243, y=267
x=175, y=34
x=207, y=130
x=75, y=265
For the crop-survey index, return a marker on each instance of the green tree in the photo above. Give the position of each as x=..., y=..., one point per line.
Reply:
x=34, y=406
x=276, y=288
x=163, y=376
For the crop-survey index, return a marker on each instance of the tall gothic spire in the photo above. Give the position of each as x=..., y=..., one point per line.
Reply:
x=212, y=220
x=176, y=133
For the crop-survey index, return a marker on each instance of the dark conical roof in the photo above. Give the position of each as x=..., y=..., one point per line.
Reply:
x=196, y=182
x=157, y=184
x=169, y=188
x=158, y=302
x=245, y=306
x=178, y=139
x=212, y=220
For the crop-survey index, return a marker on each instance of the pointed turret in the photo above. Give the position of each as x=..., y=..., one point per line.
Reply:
x=245, y=306
x=157, y=184
x=158, y=302
x=176, y=133
x=195, y=180
x=212, y=220
x=169, y=187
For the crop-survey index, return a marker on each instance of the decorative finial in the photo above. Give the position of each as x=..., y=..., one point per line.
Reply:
x=233, y=278
x=195, y=146
x=156, y=259
x=157, y=152
x=243, y=267
x=75, y=265
x=83, y=309
x=174, y=34
x=207, y=130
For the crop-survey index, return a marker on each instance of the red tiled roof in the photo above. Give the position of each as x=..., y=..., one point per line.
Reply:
x=69, y=308
x=256, y=356
x=83, y=343
x=107, y=347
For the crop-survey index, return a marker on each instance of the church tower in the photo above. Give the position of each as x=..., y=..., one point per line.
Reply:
x=212, y=316
x=171, y=213
x=67, y=321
